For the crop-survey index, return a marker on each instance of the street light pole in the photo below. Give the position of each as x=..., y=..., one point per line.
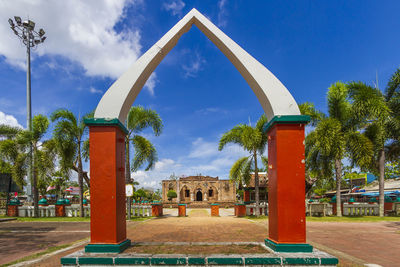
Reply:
x=25, y=30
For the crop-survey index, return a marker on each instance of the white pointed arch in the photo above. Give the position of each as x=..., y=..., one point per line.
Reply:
x=273, y=96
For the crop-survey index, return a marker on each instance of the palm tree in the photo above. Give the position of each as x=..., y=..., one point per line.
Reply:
x=69, y=134
x=381, y=114
x=253, y=140
x=334, y=136
x=15, y=150
x=138, y=120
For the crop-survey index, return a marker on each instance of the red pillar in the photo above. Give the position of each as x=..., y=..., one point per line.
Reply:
x=107, y=186
x=286, y=184
x=246, y=195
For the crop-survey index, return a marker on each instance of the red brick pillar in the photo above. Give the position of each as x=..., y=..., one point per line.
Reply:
x=12, y=210
x=286, y=184
x=182, y=210
x=214, y=209
x=240, y=210
x=60, y=210
x=156, y=210
x=107, y=186
x=246, y=196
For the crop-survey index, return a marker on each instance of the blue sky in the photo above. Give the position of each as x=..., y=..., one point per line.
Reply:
x=198, y=93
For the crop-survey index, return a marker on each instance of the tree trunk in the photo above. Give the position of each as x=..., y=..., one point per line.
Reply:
x=338, y=169
x=80, y=180
x=256, y=185
x=86, y=178
x=128, y=175
x=35, y=189
x=381, y=183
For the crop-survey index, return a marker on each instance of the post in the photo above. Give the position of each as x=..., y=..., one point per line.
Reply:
x=107, y=169
x=29, y=119
x=286, y=185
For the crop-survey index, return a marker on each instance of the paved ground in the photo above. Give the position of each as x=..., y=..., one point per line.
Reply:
x=20, y=239
x=372, y=242
x=354, y=243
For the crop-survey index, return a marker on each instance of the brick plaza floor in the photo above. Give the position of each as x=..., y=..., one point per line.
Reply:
x=354, y=244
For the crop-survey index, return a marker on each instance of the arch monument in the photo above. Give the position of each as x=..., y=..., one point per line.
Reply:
x=285, y=130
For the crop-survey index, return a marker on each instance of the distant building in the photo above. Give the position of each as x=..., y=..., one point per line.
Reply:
x=200, y=189
x=249, y=190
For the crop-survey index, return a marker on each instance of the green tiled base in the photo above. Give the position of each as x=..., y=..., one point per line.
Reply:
x=196, y=261
x=168, y=261
x=68, y=261
x=301, y=261
x=108, y=248
x=132, y=261
x=329, y=261
x=96, y=261
x=262, y=261
x=225, y=261
x=288, y=247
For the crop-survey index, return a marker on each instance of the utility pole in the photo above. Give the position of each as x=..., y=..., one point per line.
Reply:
x=25, y=30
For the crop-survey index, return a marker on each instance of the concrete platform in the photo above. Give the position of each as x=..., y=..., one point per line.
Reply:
x=315, y=258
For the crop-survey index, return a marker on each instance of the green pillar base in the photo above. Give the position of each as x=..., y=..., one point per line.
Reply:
x=282, y=247
x=108, y=248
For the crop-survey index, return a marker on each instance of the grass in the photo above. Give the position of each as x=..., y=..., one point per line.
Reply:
x=65, y=219
x=53, y=219
x=37, y=255
x=339, y=219
x=354, y=219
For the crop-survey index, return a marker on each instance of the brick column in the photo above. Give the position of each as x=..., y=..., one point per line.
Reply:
x=214, y=209
x=107, y=186
x=182, y=210
x=286, y=184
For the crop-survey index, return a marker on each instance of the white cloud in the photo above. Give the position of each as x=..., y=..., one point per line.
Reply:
x=95, y=91
x=202, y=149
x=82, y=31
x=194, y=67
x=151, y=83
x=222, y=13
x=9, y=120
x=175, y=7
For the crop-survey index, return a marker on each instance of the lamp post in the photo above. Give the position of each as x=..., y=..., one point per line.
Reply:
x=25, y=30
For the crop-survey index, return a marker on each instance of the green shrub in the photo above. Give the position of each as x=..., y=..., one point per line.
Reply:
x=171, y=194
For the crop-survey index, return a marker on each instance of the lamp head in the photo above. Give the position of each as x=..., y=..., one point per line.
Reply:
x=31, y=24
x=41, y=32
x=11, y=23
x=18, y=20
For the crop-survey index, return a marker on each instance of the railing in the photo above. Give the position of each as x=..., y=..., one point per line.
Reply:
x=318, y=209
x=360, y=209
x=141, y=210
x=50, y=211
x=251, y=209
x=396, y=208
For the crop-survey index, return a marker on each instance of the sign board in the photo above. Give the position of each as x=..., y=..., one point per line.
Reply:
x=129, y=190
x=7, y=184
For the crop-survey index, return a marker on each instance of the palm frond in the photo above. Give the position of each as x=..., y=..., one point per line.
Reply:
x=7, y=131
x=309, y=109
x=40, y=124
x=361, y=149
x=232, y=136
x=393, y=85
x=338, y=104
x=140, y=118
x=368, y=102
x=145, y=152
